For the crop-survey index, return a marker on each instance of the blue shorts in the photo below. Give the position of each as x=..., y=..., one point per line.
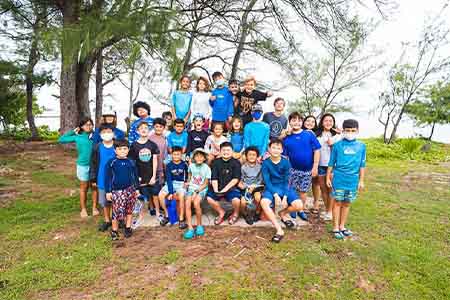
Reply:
x=229, y=196
x=322, y=170
x=83, y=173
x=149, y=191
x=290, y=194
x=300, y=180
x=342, y=195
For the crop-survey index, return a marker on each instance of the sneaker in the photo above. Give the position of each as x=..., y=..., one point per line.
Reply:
x=152, y=212
x=164, y=221
x=136, y=223
x=249, y=219
x=128, y=232
x=200, y=230
x=121, y=224
x=256, y=218
x=303, y=215
x=182, y=224
x=104, y=226
x=189, y=234
x=137, y=207
x=346, y=232
x=327, y=216
x=114, y=235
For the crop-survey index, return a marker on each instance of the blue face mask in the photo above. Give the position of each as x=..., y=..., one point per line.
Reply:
x=257, y=115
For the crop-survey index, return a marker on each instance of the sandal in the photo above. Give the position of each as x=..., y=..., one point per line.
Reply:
x=218, y=220
x=288, y=223
x=232, y=219
x=314, y=211
x=346, y=232
x=277, y=238
x=338, y=235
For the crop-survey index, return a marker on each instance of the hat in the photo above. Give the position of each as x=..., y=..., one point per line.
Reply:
x=200, y=150
x=257, y=107
x=108, y=112
x=198, y=116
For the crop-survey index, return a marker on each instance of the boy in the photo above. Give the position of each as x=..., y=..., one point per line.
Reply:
x=221, y=100
x=197, y=137
x=302, y=149
x=176, y=180
x=145, y=153
x=157, y=137
x=101, y=154
x=276, y=119
x=142, y=111
x=247, y=98
x=225, y=176
x=257, y=132
x=199, y=175
x=347, y=163
x=109, y=118
x=121, y=183
x=178, y=137
x=233, y=86
x=275, y=172
x=251, y=184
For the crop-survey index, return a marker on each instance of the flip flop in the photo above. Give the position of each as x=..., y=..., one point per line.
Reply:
x=277, y=238
x=232, y=219
x=314, y=211
x=338, y=235
x=288, y=223
x=218, y=220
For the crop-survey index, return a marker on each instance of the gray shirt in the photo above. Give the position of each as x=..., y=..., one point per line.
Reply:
x=277, y=124
x=251, y=174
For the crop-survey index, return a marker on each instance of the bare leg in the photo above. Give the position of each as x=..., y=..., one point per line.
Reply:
x=115, y=225
x=257, y=199
x=107, y=213
x=181, y=203
x=198, y=209
x=345, y=208
x=94, y=200
x=216, y=207
x=336, y=215
x=243, y=206
x=189, y=212
x=316, y=192
x=83, y=196
x=303, y=198
x=156, y=204
x=325, y=191
x=162, y=202
x=236, y=206
x=295, y=206
x=265, y=205
x=128, y=220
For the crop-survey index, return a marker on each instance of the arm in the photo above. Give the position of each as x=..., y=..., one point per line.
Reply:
x=155, y=168
x=108, y=178
x=315, y=167
x=215, y=185
x=204, y=185
x=134, y=175
x=362, y=172
x=230, y=185
x=68, y=137
x=93, y=168
x=247, y=136
x=230, y=105
x=214, y=178
x=331, y=164
x=266, y=176
x=169, y=180
x=266, y=142
x=189, y=143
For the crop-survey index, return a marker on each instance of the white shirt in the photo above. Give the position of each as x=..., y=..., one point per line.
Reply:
x=200, y=104
x=325, y=149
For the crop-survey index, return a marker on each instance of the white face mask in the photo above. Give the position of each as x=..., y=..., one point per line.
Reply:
x=350, y=136
x=220, y=82
x=107, y=137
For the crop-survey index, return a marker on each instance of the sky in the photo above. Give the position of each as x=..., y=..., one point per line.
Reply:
x=403, y=25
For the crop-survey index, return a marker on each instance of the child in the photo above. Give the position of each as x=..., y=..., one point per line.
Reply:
x=110, y=118
x=275, y=172
x=252, y=184
x=142, y=111
x=121, y=184
x=102, y=153
x=247, y=98
x=81, y=136
x=327, y=136
x=157, y=137
x=178, y=137
x=225, y=176
x=276, y=119
x=233, y=87
x=347, y=163
x=199, y=175
x=221, y=100
x=302, y=149
x=176, y=180
x=236, y=137
x=213, y=142
x=181, y=100
x=257, y=132
x=145, y=153
x=167, y=116
x=310, y=123
x=197, y=137
x=200, y=101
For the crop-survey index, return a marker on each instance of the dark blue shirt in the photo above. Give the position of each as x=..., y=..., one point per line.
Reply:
x=299, y=148
x=120, y=174
x=176, y=172
x=276, y=176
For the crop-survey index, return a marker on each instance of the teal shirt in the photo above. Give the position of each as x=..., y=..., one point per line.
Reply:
x=83, y=143
x=257, y=134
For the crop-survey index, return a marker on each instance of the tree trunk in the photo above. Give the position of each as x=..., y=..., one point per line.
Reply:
x=131, y=97
x=82, y=89
x=33, y=58
x=99, y=88
x=188, y=55
x=432, y=131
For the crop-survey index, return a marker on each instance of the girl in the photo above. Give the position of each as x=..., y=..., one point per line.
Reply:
x=81, y=136
x=212, y=145
x=142, y=111
x=236, y=137
x=327, y=134
x=182, y=100
x=200, y=101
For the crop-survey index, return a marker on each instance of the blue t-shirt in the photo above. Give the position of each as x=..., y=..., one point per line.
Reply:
x=257, y=134
x=105, y=155
x=299, y=148
x=133, y=136
x=181, y=102
x=222, y=107
x=179, y=140
x=347, y=158
x=276, y=176
x=237, y=140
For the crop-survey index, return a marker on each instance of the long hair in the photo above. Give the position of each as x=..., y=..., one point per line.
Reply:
x=83, y=121
x=207, y=85
x=320, y=128
x=234, y=118
x=315, y=123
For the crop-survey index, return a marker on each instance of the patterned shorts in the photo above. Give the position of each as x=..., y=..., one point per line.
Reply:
x=341, y=195
x=123, y=202
x=300, y=180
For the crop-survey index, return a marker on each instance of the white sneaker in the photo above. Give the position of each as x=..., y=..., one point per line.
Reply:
x=327, y=216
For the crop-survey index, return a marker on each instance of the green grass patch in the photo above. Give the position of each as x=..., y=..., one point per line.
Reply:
x=50, y=178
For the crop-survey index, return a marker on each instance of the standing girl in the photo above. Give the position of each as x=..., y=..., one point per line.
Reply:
x=200, y=101
x=236, y=137
x=327, y=134
x=212, y=144
x=182, y=100
x=81, y=136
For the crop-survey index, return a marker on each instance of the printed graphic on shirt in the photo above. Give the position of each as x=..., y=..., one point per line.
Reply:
x=349, y=151
x=145, y=155
x=197, y=180
x=246, y=104
x=276, y=127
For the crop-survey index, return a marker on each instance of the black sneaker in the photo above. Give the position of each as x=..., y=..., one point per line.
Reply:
x=121, y=224
x=164, y=221
x=152, y=211
x=256, y=218
x=128, y=232
x=114, y=235
x=104, y=226
x=249, y=219
x=182, y=225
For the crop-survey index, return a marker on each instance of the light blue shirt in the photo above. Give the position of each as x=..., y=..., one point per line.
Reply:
x=181, y=102
x=180, y=140
x=347, y=158
x=257, y=134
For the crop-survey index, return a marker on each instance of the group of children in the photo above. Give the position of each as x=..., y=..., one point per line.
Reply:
x=213, y=146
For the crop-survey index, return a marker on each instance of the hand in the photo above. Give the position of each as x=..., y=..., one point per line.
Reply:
x=251, y=188
x=109, y=196
x=284, y=202
x=314, y=171
x=137, y=193
x=338, y=130
x=269, y=93
x=170, y=197
x=361, y=186
x=186, y=184
x=329, y=183
x=259, y=159
x=277, y=199
x=94, y=184
x=77, y=130
x=212, y=98
x=152, y=181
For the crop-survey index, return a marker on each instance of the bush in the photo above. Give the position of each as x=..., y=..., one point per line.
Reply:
x=23, y=133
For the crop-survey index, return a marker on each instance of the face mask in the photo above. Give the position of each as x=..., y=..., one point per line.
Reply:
x=107, y=137
x=349, y=136
x=257, y=115
x=220, y=82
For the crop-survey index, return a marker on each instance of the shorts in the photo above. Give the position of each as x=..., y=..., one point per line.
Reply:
x=178, y=187
x=300, y=180
x=149, y=191
x=191, y=190
x=83, y=173
x=322, y=170
x=123, y=202
x=102, y=199
x=229, y=196
x=342, y=195
x=290, y=194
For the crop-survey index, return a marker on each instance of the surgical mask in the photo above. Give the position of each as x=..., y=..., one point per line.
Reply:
x=220, y=82
x=349, y=136
x=256, y=115
x=107, y=137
